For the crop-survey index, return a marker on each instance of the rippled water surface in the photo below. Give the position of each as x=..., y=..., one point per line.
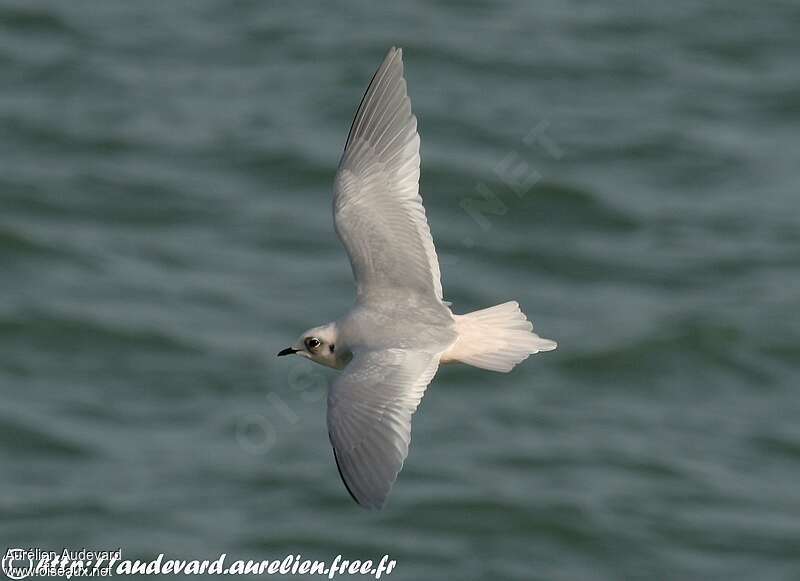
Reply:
x=165, y=229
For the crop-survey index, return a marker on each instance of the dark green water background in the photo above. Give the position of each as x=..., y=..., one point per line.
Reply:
x=165, y=229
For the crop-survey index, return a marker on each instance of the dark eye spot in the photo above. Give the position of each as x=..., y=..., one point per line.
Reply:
x=313, y=343
x=332, y=347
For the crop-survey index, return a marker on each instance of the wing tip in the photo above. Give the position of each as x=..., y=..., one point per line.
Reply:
x=395, y=52
x=341, y=474
x=365, y=504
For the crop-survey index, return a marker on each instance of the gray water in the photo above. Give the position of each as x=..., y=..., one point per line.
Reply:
x=165, y=229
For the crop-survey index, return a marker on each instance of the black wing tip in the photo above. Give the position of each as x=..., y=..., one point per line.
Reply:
x=394, y=51
x=341, y=475
x=372, y=507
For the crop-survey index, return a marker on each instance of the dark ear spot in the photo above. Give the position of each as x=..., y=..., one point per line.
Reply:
x=332, y=347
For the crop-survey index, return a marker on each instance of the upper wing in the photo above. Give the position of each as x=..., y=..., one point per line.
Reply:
x=377, y=208
x=369, y=418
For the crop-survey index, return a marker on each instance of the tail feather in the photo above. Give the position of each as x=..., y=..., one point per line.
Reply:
x=497, y=338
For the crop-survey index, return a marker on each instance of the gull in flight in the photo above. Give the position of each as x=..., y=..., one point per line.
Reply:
x=391, y=343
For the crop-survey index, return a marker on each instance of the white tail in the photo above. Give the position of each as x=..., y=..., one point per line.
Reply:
x=497, y=338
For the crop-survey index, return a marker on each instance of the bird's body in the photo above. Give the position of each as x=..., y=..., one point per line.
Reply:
x=390, y=345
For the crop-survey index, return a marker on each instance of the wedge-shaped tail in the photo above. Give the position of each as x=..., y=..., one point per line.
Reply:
x=497, y=338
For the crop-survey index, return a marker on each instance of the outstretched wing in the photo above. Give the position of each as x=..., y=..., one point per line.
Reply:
x=377, y=208
x=369, y=418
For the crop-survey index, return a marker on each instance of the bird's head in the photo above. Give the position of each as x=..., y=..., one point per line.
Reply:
x=319, y=345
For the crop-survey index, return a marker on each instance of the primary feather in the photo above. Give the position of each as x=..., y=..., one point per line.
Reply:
x=378, y=212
